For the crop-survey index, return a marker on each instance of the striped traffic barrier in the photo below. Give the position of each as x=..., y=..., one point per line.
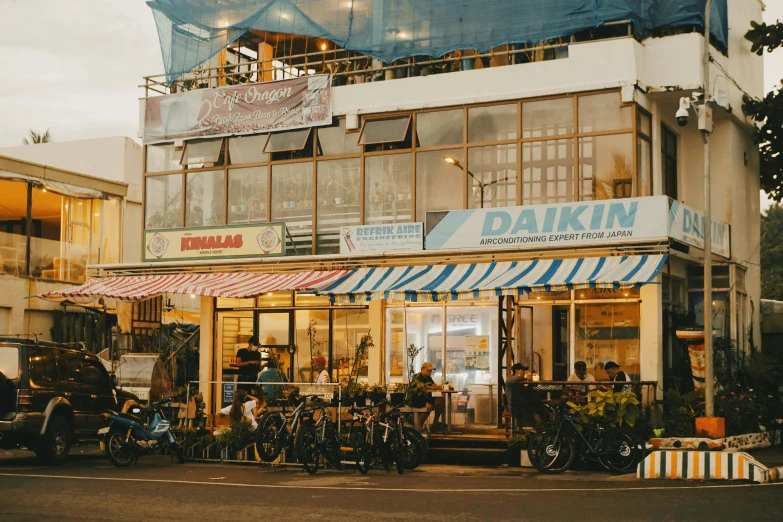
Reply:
x=703, y=465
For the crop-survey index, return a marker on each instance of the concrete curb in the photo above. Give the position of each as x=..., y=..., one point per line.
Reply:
x=705, y=465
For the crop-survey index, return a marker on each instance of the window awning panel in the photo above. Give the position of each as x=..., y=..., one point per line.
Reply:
x=464, y=281
x=235, y=285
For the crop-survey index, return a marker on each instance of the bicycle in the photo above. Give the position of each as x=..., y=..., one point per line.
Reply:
x=375, y=440
x=277, y=431
x=411, y=445
x=554, y=450
x=319, y=439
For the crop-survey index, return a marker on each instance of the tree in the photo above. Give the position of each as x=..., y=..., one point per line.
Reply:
x=37, y=138
x=772, y=254
x=768, y=113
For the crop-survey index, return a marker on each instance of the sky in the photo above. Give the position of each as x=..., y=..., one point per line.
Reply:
x=73, y=66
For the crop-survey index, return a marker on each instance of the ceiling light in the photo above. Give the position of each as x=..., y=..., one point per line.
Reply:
x=44, y=190
x=284, y=16
x=402, y=34
x=269, y=294
x=192, y=296
x=323, y=46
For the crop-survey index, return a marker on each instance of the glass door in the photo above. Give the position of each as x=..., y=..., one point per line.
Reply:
x=275, y=333
x=560, y=340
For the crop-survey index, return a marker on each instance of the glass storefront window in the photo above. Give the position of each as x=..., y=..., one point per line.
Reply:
x=312, y=340
x=720, y=311
x=606, y=169
x=494, y=168
x=275, y=299
x=292, y=193
x=287, y=141
x=547, y=172
x=161, y=158
x=338, y=201
x=438, y=183
x=13, y=233
x=109, y=237
x=349, y=325
x=548, y=118
x=440, y=128
x=493, y=123
x=601, y=112
x=333, y=140
x=47, y=255
x=387, y=189
x=608, y=332
x=384, y=130
x=644, y=166
x=312, y=300
x=229, y=302
x=247, y=195
x=204, y=199
x=163, y=201
x=247, y=149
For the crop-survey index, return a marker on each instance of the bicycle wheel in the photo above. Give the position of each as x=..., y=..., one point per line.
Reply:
x=397, y=449
x=309, y=448
x=268, y=436
x=331, y=447
x=384, y=449
x=620, y=450
x=363, y=453
x=551, y=452
x=414, y=448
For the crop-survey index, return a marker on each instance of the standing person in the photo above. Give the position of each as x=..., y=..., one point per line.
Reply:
x=319, y=370
x=433, y=403
x=617, y=375
x=249, y=364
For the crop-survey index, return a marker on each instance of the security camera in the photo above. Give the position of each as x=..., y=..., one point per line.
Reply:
x=682, y=114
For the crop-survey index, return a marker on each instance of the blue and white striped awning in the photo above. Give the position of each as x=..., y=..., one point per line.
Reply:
x=465, y=281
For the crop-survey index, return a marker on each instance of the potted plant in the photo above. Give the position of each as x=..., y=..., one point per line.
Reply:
x=358, y=393
x=234, y=439
x=517, y=450
x=376, y=393
x=397, y=395
x=417, y=394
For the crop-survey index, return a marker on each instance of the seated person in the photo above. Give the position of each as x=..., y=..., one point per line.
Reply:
x=517, y=375
x=578, y=393
x=617, y=375
x=244, y=408
x=580, y=373
x=436, y=403
x=272, y=374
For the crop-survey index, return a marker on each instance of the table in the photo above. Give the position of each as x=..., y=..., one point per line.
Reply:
x=447, y=394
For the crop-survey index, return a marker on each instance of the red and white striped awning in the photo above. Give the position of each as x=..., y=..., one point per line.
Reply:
x=236, y=285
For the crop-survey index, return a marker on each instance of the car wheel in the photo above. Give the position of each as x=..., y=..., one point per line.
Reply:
x=56, y=442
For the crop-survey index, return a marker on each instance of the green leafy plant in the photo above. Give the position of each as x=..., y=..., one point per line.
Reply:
x=417, y=394
x=607, y=408
x=519, y=442
x=237, y=437
x=742, y=409
x=411, y=352
x=680, y=412
x=376, y=393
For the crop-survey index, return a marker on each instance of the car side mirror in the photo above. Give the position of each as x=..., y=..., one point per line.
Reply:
x=113, y=381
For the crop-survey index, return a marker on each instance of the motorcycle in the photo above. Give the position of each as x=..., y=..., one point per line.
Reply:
x=142, y=431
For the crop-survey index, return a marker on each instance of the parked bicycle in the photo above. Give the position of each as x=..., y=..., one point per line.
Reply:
x=555, y=449
x=375, y=440
x=277, y=431
x=411, y=444
x=319, y=439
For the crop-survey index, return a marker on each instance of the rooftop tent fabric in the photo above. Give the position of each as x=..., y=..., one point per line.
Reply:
x=192, y=31
x=236, y=285
x=449, y=282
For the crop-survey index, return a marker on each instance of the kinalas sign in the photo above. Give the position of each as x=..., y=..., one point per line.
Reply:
x=261, y=240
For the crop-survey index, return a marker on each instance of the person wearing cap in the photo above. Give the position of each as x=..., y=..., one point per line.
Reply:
x=249, y=364
x=617, y=375
x=433, y=403
x=319, y=369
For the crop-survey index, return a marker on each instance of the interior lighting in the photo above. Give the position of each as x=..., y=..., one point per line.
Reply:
x=192, y=296
x=451, y=160
x=402, y=35
x=284, y=16
x=323, y=46
x=269, y=294
x=44, y=191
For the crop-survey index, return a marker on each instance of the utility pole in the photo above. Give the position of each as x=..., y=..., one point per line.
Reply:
x=709, y=384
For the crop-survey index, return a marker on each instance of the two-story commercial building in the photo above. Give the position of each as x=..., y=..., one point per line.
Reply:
x=531, y=203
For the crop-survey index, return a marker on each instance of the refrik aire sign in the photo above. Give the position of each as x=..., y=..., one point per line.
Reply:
x=260, y=240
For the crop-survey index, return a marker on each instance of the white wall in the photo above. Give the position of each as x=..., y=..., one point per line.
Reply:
x=19, y=315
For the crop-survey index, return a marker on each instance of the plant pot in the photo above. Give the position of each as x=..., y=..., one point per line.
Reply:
x=400, y=197
x=524, y=459
x=401, y=72
x=376, y=198
x=338, y=201
x=358, y=78
x=360, y=401
x=396, y=399
x=425, y=71
x=339, y=81
x=243, y=208
x=292, y=204
x=234, y=208
x=389, y=198
x=389, y=74
x=468, y=64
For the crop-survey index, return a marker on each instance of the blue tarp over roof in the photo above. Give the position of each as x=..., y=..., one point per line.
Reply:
x=192, y=31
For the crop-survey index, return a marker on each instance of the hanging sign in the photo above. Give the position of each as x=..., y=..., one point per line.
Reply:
x=686, y=224
x=262, y=240
x=241, y=109
x=543, y=226
x=394, y=237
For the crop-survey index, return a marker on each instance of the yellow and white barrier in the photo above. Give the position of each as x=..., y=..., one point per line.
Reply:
x=702, y=465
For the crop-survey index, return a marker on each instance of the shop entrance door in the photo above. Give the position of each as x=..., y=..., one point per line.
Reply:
x=276, y=335
x=560, y=340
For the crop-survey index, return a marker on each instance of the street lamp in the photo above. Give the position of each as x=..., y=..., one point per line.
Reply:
x=451, y=160
x=704, y=112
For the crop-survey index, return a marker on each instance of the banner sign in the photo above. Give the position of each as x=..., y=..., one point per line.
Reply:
x=241, y=109
x=371, y=239
x=589, y=223
x=259, y=240
x=686, y=224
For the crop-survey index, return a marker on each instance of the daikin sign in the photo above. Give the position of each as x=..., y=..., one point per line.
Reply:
x=593, y=223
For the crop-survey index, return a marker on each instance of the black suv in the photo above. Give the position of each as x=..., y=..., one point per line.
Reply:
x=52, y=394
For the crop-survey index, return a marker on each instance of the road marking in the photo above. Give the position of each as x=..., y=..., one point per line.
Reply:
x=217, y=478
x=402, y=490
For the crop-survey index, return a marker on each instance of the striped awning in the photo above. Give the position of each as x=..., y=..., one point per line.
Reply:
x=448, y=282
x=236, y=285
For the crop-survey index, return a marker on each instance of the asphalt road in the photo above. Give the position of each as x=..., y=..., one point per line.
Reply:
x=90, y=488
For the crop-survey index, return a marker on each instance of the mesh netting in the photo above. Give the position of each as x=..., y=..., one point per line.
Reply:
x=192, y=31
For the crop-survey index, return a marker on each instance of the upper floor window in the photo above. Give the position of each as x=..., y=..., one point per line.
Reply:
x=669, y=161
